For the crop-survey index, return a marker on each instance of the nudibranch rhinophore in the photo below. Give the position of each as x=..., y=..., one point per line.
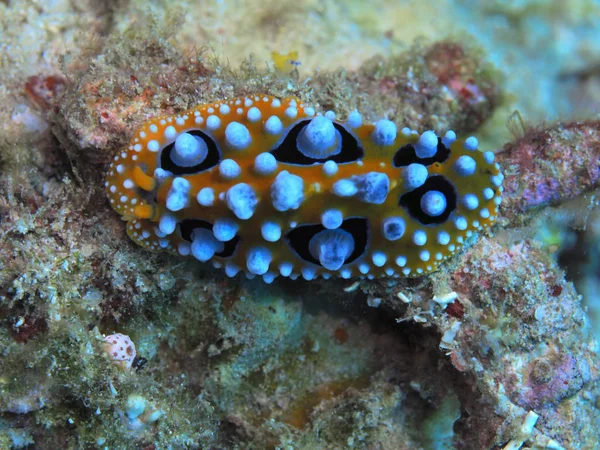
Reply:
x=269, y=187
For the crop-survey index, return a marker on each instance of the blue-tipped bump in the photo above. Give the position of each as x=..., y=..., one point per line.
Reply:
x=241, y=200
x=470, y=201
x=332, y=219
x=426, y=147
x=167, y=224
x=205, y=245
x=229, y=169
x=161, y=175
x=258, y=260
x=287, y=191
x=489, y=157
x=273, y=125
x=285, y=269
x=319, y=139
x=177, y=198
x=265, y=164
x=184, y=248
x=433, y=203
x=344, y=188
x=471, y=143
x=269, y=277
x=393, y=228
x=449, y=138
x=384, y=133
x=331, y=248
x=206, y=196
x=345, y=273
x=415, y=176
x=237, y=136
x=330, y=168
x=379, y=258
x=189, y=150
x=225, y=229
x=231, y=270
x=372, y=187
x=354, y=119
x=270, y=231
x=460, y=223
x=253, y=114
x=465, y=166
x=308, y=273
x=419, y=238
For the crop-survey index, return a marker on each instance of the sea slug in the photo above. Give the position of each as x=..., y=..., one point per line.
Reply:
x=270, y=187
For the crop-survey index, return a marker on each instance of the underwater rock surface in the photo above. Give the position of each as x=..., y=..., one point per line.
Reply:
x=494, y=350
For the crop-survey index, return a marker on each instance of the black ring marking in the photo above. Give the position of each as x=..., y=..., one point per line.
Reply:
x=287, y=151
x=299, y=238
x=187, y=226
x=412, y=200
x=213, y=157
x=407, y=155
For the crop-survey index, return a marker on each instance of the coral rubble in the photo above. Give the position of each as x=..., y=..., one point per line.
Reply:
x=494, y=350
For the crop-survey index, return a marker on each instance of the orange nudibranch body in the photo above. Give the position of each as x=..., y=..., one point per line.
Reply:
x=270, y=187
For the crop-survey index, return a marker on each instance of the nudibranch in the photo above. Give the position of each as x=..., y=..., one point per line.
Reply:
x=269, y=187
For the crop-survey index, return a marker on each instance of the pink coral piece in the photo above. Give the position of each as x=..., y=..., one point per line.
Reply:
x=120, y=349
